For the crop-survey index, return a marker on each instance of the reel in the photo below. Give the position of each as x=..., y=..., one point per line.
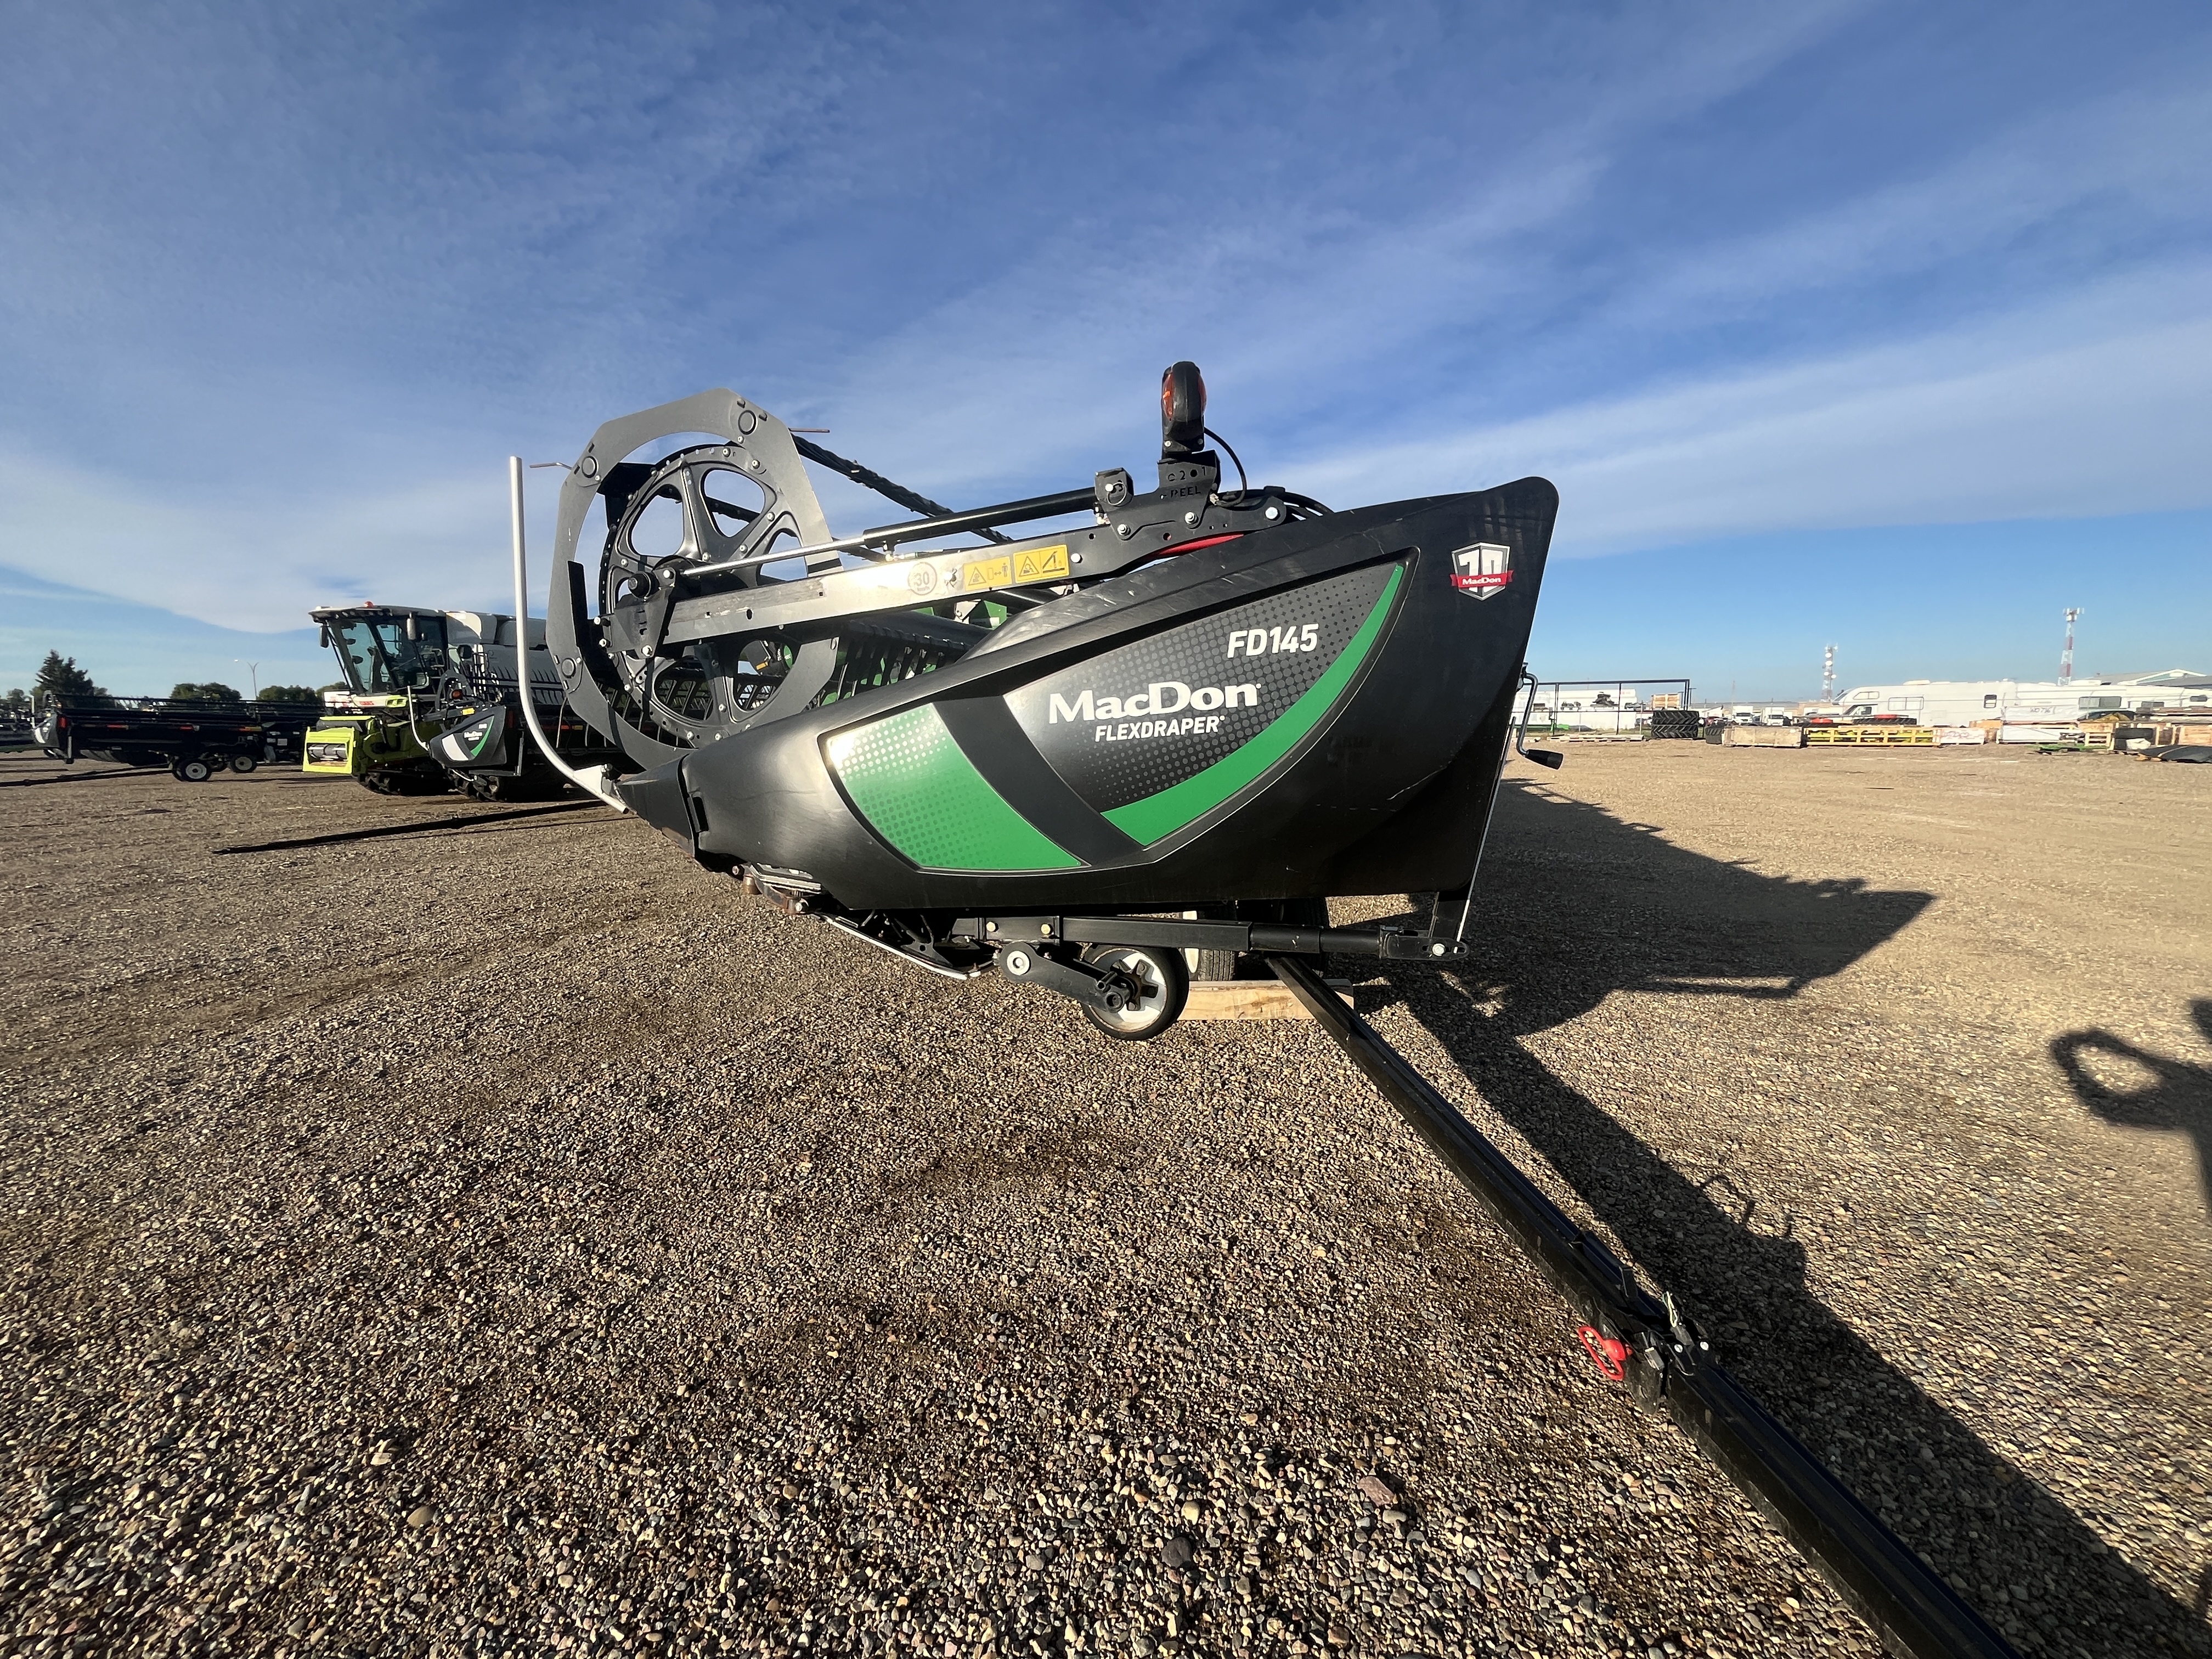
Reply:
x=710, y=504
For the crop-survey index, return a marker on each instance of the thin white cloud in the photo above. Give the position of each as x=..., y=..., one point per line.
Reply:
x=2149, y=148
x=1041, y=365
x=1289, y=310
x=253, y=565
x=539, y=258
x=1290, y=294
x=2092, y=408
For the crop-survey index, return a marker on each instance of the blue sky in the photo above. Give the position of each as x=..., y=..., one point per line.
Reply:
x=1884, y=324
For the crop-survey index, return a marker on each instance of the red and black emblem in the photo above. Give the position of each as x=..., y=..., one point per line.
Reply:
x=1481, y=569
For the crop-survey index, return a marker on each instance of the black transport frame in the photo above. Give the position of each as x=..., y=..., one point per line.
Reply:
x=1662, y=1358
x=194, y=739
x=1645, y=1342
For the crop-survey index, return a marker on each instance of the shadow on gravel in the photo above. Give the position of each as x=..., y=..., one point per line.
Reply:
x=2177, y=1096
x=466, y=821
x=83, y=777
x=1574, y=904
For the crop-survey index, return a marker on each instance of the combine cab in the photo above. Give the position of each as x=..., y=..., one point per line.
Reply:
x=429, y=705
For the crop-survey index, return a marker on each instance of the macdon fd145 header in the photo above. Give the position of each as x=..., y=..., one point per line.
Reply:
x=1232, y=702
x=1178, y=720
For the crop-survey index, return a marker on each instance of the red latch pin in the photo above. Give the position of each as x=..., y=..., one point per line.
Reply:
x=1608, y=1354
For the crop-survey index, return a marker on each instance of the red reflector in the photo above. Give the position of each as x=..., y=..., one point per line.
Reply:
x=1203, y=541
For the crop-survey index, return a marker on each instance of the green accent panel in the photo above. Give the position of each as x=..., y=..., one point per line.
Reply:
x=912, y=784
x=1157, y=816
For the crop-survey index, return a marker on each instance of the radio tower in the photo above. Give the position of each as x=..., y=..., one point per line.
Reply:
x=1828, y=675
x=2066, y=657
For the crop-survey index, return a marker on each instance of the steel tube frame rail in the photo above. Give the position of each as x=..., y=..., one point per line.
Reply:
x=977, y=520
x=1619, y=686
x=595, y=781
x=1667, y=1367
x=869, y=479
x=1183, y=935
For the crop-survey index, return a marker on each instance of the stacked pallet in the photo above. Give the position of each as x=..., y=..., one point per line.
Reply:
x=1875, y=737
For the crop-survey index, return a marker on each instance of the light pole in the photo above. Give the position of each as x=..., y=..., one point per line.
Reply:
x=252, y=674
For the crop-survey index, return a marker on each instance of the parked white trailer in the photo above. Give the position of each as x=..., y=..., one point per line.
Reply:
x=1962, y=702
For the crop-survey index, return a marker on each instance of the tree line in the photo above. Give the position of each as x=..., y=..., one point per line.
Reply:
x=60, y=677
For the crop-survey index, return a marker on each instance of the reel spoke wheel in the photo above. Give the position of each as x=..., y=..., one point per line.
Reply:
x=1158, y=984
x=706, y=504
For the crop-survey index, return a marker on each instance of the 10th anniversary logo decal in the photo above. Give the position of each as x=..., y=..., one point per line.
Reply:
x=1482, y=569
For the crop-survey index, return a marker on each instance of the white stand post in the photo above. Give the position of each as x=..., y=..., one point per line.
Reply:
x=592, y=780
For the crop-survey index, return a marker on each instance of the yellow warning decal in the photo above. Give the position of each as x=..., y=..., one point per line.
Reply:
x=1031, y=564
x=1042, y=564
x=987, y=573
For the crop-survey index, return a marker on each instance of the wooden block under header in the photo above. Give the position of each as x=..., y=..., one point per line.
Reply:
x=1246, y=999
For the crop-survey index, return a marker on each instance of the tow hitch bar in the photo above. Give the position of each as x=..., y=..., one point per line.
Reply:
x=1652, y=1349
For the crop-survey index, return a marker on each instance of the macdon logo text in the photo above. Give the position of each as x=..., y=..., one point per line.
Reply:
x=1160, y=697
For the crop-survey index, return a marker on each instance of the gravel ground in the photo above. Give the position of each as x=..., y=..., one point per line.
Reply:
x=439, y=1228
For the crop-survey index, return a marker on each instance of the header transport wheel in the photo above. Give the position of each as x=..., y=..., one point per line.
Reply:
x=194, y=770
x=1155, y=986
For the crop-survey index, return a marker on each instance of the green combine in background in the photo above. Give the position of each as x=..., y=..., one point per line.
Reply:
x=429, y=704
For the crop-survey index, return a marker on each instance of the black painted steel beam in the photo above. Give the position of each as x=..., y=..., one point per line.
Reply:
x=868, y=477
x=1667, y=1367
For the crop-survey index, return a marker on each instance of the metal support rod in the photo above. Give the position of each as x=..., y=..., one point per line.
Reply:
x=1667, y=1367
x=951, y=524
x=594, y=782
x=1482, y=840
x=979, y=518
x=869, y=479
x=1177, y=933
